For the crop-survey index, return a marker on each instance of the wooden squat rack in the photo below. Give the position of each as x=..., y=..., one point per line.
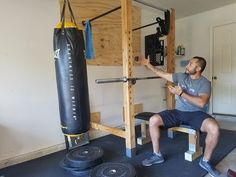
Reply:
x=128, y=90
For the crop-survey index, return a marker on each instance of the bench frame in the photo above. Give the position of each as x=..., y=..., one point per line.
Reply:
x=194, y=149
x=145, y=136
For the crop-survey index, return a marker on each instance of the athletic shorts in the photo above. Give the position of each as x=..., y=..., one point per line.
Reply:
x=173, y=118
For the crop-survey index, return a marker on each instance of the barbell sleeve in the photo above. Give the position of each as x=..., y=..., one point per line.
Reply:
x=110, y=80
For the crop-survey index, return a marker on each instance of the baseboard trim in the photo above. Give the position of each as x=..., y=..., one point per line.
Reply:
x=42, y=152
x=31, y=155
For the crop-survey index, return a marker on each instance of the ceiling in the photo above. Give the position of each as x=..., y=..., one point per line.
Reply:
x=185, y=8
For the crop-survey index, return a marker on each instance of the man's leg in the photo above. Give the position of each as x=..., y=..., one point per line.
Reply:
x=154, y=128
x=211, y=127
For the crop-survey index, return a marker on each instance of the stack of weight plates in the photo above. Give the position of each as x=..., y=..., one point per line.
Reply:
x=113, y=169
x=82, y=160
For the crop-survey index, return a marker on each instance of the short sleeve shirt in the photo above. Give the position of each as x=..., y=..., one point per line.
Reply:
x=192, y=87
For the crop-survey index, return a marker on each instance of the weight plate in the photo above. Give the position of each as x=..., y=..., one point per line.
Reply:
x=81, y=172
x=85, y=157
x=65, y=165
x=111, y=169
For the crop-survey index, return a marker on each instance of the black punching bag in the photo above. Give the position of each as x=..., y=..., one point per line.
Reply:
x=71, y=75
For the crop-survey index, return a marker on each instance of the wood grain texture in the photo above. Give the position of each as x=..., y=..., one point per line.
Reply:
x=106, y=30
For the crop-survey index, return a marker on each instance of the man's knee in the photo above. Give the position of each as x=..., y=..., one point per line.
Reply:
x=211, y=126
x=214, y=128
x=155, y=120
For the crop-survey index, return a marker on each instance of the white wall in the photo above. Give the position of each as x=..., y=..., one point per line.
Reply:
x=29, y=118
x=194, y=33
x=29, y=115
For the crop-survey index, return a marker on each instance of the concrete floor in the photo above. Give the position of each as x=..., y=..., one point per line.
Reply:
x=229, y=123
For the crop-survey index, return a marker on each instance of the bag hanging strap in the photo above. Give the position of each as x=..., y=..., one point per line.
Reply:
x=72, y=18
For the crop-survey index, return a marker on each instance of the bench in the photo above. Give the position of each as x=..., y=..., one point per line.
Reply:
x=194, y=149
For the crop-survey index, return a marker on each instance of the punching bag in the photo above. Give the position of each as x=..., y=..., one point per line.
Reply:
x=71, y=76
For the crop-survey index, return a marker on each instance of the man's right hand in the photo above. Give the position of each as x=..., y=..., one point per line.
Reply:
x=143, y=61
x=159, y=72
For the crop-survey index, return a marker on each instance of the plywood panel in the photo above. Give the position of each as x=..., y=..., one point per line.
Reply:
x=106, y=30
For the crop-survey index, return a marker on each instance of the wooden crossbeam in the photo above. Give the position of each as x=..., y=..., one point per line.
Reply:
x=112, y=130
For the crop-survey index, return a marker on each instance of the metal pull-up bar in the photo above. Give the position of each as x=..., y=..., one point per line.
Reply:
x=104, y=14
x=150, y=24
x=117, y=8
x=150, y=5
x=124, y=79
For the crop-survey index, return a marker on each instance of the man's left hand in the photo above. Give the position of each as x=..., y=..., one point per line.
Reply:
x=177, y=90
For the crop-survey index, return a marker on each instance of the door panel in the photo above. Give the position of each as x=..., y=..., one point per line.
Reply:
x=224, y=69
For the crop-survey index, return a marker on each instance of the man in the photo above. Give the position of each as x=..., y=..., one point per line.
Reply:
x=192, y=92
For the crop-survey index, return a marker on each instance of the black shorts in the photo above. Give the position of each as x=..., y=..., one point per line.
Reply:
x=172, y=118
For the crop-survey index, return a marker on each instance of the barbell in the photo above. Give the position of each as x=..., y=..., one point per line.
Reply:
x=124, y=79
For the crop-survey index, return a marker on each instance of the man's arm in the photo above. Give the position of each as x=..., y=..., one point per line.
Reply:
x=201, y=100
x=159, y=72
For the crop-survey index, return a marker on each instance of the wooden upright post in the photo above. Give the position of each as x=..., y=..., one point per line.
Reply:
x=171, y=57
x=126, y=17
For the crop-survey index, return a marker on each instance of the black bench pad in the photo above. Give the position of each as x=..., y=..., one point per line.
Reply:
x=144, y=115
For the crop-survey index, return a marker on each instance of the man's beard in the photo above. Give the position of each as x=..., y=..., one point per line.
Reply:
x=190, y=73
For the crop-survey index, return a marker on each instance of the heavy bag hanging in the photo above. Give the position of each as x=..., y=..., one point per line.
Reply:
x=71, y=75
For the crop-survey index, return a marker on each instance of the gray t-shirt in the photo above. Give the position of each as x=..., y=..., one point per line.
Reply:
x=192, y=87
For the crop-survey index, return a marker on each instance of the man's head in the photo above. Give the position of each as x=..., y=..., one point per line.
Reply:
x=196, y=65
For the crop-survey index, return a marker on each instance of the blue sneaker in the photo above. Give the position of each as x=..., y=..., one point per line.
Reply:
x=154, y=159
x=209, y=168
